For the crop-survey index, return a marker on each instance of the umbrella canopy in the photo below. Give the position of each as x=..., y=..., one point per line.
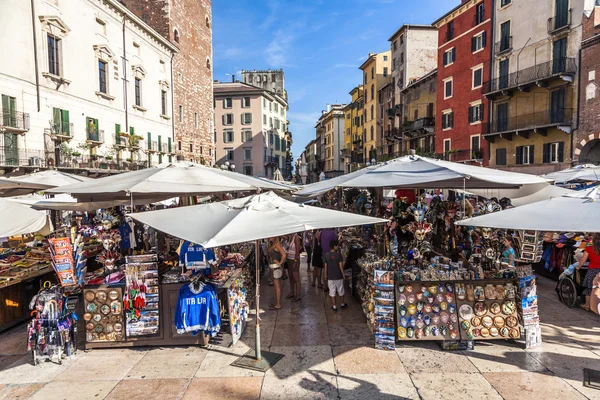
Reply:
x=318, y=188
x=249, y=218
x=278, y=176
x=19, y=219
x=417, y=172
x=25, y=184
x=578, y=174
x=526, y=194
x=572, y=213
x=162, y=182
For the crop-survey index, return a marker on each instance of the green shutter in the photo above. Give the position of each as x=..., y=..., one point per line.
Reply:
x=55, y=119
x=159, y=146
x=170, y=150
x=131, y=130
x=149, y=141
x=66, y=125
x=97, y=129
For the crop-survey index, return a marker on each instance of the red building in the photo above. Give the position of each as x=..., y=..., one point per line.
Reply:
x=464, y=51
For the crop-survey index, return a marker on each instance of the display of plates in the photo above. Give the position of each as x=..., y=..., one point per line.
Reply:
x=512, y=321
x=89, y=296
x=97, y=317
x=480, y=308
x=87, y=316
x=101, y=296
x=465, y=311
x=504, y=332
x=109, y=328
x=485, y=332
x=499, y=321
x=476, y=321
x=113, y=295
x=495, y=308
x=92, y=307
x=514, y=333
x=105, y=309
x=477, y=332
x=118, y=327
x=509, y=307
x=487, y=321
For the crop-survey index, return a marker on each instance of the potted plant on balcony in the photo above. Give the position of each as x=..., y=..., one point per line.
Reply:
x=66, y=155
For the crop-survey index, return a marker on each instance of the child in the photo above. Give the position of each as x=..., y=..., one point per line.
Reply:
x=334, y=274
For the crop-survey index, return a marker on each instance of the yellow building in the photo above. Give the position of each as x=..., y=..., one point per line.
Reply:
x=347, y=150
x=330, y=129
x=376, y=74
x=355, y=112
x=418, y=128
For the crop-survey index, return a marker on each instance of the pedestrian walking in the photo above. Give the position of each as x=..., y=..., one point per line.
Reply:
x=317, y=260
x=276, y=259
x=334, y=275
x=292, y=251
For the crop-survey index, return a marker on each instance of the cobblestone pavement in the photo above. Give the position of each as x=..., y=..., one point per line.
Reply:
x=327, y=355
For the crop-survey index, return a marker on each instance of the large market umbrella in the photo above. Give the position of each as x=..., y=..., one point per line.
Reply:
x=579, y=174
x=19, y=219
x=572, y=213
x=241, y=220
x=36, y=181
x=163, y=181
x=317, y=188
x=415, y=172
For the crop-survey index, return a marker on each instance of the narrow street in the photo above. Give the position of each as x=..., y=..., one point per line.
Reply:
x=327, y=355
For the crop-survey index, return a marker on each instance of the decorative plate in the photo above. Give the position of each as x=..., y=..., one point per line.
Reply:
x=499, y=321
x=92, y=307
x=487, y=321
x=477, y=332
x=476, y=321
x=113, y=295
x=102, y=336
x=401, y=332
x=494, y=331
x=115, y=307
x=97, y=317
x=485, y=332
x=89, y=326
x=89, y=296
x=109, y=328
x=101, y=296
x=495, y=308
x=118, y=327
x=411, y=298
x=512, y=321
x=87, y=316
x=509, y=307
x=465, y=311
x=504, y=332
x=105, y=309
x=480, y=308
x=514, y=333
x=99, y=328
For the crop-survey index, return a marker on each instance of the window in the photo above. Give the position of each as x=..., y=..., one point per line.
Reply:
x=100, y=27
x=195, y=120
x=207, y=63
x=505, y=38
x=524, y=155
x=138, y=92
x=54, y=46
x=163, y=102
x=477, y=80
x=246, y=118
x=246, y=136
x=60, y=120
x=553, y=152
x=402, y=39
x=276, y=107
x=385, y=58
x=449, y=56
x=271, y=139
x=228, y=154
x=372, y=112
x=476, y=152
x=450, y=31
x=372, y=72
x=248, y=170
x=401, y=58
x=207, y=22
x=372, y=133
x=475, y=113
x=448, y=88
x=395, y=45
x=385, y=71
x=447, y=148
x=478, y=42
x=180, y=113
x=247, y=154
x=500, y=156
x=264, y=103
x=447, y=120
x=228, y=136
x=502, y=117
x=372, y=92
x=91, y=128
x=277, y=143
x=264, y=119
x=176, y=35
x=245, y=102
x=102, y=71
x=179, y=145
x=479, y=13
x=227, y=102
x=393, y=64
x=505, y=2
x=227, y=119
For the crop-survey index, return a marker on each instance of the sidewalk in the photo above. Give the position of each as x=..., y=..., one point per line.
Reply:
x=327, y=356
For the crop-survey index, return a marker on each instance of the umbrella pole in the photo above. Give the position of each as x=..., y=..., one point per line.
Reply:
x=257, y=329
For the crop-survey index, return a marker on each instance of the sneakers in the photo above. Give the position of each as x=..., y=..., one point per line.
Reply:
x=334, y=308
x=344, y=305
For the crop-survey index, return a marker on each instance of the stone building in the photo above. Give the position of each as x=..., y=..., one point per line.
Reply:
x=188, y=25
x=271, y=80
x=330, y=128
x=418, y=129
x=357, y=127
x=86, y=87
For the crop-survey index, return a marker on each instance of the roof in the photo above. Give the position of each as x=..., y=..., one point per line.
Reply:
x=465, y=4
x=421, y=79
x=410, y=26
x=384, y=86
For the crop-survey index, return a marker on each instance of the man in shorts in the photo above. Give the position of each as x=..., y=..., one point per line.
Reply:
x=334, y=274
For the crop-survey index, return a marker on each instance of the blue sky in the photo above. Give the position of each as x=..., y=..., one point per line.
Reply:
x=319, y=43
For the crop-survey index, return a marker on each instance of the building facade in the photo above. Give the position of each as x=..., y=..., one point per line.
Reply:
x=250, y=131
x=376, y=74
x=385, y=123
x=188, y=25
x=418, y=128
x=587, y=141
x=312, y=168
x=357, y=130
x=91, y=89
x=331, y=129
x=271, y=80
x=464, y=48
x=533, y=87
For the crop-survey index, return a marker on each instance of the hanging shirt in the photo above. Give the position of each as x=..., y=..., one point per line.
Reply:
x=125, y=231
x=195, y=256
x=197, y=310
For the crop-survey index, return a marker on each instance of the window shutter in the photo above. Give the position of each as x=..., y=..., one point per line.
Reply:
x=561, y=151
x=473, y=43
x=483, y=39
x=519, y=155
x=66, y=125
x=169, y=145
x=470, y=114
x=445, y=59
x=97, y=127
x=223, y=119
x=546, y=153
x=55, y=116
x=149, y=141
x=451, y=122
x=531, y=153
x=453, y=54
x=481, y=109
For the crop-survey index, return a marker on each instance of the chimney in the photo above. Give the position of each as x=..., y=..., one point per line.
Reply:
x=328, y=108
x=233, y=78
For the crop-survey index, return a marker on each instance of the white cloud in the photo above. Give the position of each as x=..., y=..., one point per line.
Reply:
x=273, y=6
x=343, y=65
x=278, y=49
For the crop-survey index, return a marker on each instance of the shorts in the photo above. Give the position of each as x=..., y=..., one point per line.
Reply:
x=276, y=270
x=336, y=286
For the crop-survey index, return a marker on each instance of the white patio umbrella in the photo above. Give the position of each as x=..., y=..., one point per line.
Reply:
x=162, y=182
x=242, y=220
x=29, y=183
x=417, y=172
x=579, y=174
x=19, y=219
x=318, y=188
x=579, y=212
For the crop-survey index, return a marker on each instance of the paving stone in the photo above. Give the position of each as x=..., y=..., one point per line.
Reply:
x=490, y=357
x=168, y=363
x=303, y=385
x=417, y=359
x=100, y=366
x=531, y=385
x=91, y=390
x=453, y=385
x=19, y=392
x=242, y=388
x=350, y=334
x=217, y=363
x=376, y=386
x=297, y=359
x=153, y=389
x=366, y=360
x=23, y=371
x=300, y=335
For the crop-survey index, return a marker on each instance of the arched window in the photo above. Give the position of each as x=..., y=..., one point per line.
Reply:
x=372, y=72
x=372, y=133
x=207, y=22
x=207, y=62
x=372, y=92
x=372, y=112
x=176, y=35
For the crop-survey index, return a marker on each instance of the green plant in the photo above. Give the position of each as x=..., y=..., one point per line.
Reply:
x=134, y=140
x=128, y=159
x=85, y=146
x=108, y=158
x=76, y=154
x=66, y=151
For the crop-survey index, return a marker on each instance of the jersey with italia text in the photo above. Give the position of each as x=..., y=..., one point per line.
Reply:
x=195, y=256
x=197, y=310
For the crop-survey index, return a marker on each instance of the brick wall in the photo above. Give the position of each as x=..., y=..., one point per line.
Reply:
x=192, y=20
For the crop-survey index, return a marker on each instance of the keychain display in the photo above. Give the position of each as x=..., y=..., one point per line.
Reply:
x=141, y=297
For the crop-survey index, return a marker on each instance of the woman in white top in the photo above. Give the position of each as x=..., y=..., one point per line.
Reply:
x=292, y=251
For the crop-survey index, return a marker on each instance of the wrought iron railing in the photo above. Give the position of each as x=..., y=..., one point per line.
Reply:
x=11, y=156
x=559, y=22
x=14, y=120
x=554, y=116
x=503, y=45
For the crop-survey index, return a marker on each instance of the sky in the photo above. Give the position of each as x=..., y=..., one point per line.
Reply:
x=319, y=44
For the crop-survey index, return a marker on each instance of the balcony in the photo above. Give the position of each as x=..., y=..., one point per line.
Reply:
x=419, y=126
x=270, y=160
x=11, y=156
x=537, y=122
x=62, y=131
x=559, y=23
x=14, y=121
x=95, y=136
x=393, y=135
x=503, y=46
x=79, y=161
x=537, y=75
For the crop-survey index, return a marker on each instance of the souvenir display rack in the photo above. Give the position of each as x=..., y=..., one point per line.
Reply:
x=142, y=296
x=103, y=314
x=384, y=310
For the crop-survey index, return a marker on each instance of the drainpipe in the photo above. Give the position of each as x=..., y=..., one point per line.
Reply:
x=35, y=55
x=492, y=70
x=576, y=128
